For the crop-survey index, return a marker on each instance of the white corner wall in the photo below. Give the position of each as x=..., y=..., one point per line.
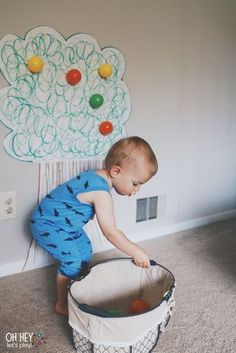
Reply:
x=180, y=70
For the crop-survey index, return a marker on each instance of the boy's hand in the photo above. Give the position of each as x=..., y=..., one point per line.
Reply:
x=141, y=259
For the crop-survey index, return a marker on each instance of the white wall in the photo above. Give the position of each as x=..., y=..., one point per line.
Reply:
x=180, y=70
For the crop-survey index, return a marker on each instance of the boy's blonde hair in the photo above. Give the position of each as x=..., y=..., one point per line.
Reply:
x=130, y=151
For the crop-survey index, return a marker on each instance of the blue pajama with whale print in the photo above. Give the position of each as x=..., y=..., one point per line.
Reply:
x=57, y=222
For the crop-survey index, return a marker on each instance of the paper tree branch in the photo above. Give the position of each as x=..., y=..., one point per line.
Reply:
x=49, y=118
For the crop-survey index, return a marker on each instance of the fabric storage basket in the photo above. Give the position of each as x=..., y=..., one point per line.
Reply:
x=99, y=305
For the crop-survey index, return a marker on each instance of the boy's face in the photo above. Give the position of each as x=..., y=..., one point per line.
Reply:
x=127, y=180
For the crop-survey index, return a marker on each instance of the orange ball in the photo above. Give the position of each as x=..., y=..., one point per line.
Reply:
x=105, y=127
x=139, y=306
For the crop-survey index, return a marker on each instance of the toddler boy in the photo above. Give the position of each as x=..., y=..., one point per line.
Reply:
x=57, y=222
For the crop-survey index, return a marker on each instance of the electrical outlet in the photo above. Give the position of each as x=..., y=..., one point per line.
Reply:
x=8, y=205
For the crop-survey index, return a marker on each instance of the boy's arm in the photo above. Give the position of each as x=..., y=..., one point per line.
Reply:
x=103, y=204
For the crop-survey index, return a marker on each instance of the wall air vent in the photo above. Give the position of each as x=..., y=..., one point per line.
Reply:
x=146, y=208
x=152, y=207
x=141, y=210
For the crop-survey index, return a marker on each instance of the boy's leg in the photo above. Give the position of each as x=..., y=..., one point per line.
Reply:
x=62, y=283
x=72, y=250
x=78, y=253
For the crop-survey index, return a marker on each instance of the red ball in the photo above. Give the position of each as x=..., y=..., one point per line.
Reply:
x=105, y=127
x=139, y=306
x=73, y=76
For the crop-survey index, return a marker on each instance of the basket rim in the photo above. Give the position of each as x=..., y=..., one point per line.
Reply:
x=99, y=313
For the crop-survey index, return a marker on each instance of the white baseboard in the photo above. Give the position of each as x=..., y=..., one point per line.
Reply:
x=179, y=227
x=16, y=267
x=10, y=268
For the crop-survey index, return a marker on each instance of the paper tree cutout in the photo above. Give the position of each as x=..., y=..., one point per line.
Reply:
x=49, y=118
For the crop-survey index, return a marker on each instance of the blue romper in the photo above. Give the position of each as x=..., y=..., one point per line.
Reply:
x=57, y=222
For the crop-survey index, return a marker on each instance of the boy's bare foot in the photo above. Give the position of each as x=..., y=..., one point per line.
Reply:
x=63, y=310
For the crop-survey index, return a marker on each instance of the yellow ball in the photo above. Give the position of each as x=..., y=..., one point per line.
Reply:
x=105, y=70
x=35, y=64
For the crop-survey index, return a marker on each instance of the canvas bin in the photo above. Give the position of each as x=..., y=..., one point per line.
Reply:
x=99, y=305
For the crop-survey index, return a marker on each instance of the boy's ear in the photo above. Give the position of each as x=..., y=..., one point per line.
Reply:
x=115, y=171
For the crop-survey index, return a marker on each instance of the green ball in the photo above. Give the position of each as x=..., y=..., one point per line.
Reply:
x=96, y=100
x=113, y=313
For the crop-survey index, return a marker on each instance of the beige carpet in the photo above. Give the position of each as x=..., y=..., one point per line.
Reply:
x=203, y=261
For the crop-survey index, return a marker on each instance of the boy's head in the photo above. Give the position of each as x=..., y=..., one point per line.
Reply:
x=130, y=162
